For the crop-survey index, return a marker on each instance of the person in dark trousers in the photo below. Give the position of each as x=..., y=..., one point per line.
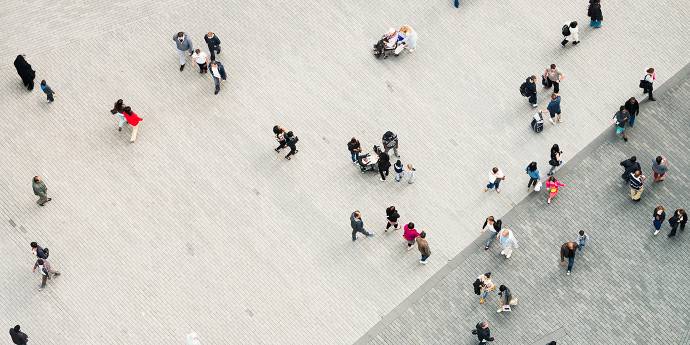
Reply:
x=25, y=72
x=390, y=141
x=291, y=141
x=531, y=90
x=679, y=219
x=570, y=30
x=594, y=13
x=355, y=148
x=384, y=164
x=554, y=108
x=568, y=250
x=358, y=225
x=553, y=77
x=483, y=332
x=630, y=165
x=533, y=173
x=48, y=91
x=423, y=246
x=621, y=117
x=280, y=137
x=647, y=83
x=392, y=216
x=658, y=218
x=506, y=299
x=213, y=43
x=633, y=108
x=18, y=337
x=41, y=190
x=40, y=252
x=492, y=226
x=555, y=161
x=218, y=74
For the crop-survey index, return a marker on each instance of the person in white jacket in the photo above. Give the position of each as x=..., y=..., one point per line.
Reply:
x=407, y=39
x=574, y=34
x=508, y=242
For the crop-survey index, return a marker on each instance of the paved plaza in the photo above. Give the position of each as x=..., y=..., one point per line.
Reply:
x=200, y=226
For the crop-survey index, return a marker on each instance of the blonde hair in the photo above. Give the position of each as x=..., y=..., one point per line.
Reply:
x=406, y=29
x=409, y=166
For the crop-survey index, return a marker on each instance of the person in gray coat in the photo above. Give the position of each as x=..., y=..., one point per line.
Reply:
x=41, y=190
x=358, y=225
x=183, y=43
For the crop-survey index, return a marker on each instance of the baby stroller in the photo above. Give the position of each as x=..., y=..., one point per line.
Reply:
x=537, y=123
x=369, y=162
x=383, y=49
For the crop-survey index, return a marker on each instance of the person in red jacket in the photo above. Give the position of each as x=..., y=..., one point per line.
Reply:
x=410, y=234
x=133, y=119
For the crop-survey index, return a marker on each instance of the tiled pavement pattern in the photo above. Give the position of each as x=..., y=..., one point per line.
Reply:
x=626, y=288
x=199, y=226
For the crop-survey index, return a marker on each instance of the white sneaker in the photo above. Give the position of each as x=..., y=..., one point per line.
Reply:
x=656, y=232
x=567, y=273
x=410, y=247
x=422, y=262
x=503, y=252
x=508, y=256
x=499, y=310
x=551, y=120
x=534, y=105
x=381, y=179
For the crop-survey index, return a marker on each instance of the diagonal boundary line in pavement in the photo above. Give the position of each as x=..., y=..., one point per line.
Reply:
x=477, y=244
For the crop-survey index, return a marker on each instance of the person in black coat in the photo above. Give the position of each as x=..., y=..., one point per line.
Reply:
x=213, y=43
x=18, y=337
x=630, y=165
x=392, y=216
x=531, y=90
x=679, y=218
x=384, y=164
x=633, y=107
x=483, y=332
x=25, y=72
x=594, y=13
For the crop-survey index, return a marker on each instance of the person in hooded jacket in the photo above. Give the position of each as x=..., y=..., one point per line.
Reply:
x=531, y=90
x=392, y=216
x=25, y=72
x=630, y=165
x=533, y=174
x=384, y=164
x=594, y=13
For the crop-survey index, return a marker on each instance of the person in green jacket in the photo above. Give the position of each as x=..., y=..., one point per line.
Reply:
x=41, y=190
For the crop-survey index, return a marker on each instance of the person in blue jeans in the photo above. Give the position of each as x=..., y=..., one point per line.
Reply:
x=533, y=173
x=355, y=148
x=568, y=250
x=491, y=226
x=581, y=240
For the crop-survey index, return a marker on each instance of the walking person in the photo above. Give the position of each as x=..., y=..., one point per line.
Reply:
x=48, y=91
x=568, y=250
x=658, y=218
x=25, y=72
x=423, y=246
x=554, y=108
x=45, y=269
x=506, y=299
x=621, y=118
x=531, y=90
x=384, y=164
x=630, y=165
x=41, y=190
x=493, y=227
x=594, y=13
x=218, y=75
x=390, y=141
x=280, y=137
x=410, y=234
x=392, y=216
x=483, y=332
x=581, y=240
x=355, y=149
x=679, y=219
x=636, y=185
x=508, y=242
x=495, y=178
x=409, y=172
x=570, y=30
x=213, y=43
x=485, y=286
x=647, y=83
x=357, y=225
x=533, y=173
x=398, y=169
x=183, y=43
x=133, y=120
x=553, y=77
x=201, y=60
x=18, y=337
x=117, y=110
x=633, y=108
x=38, y=251
x=659, y=167
x=552, y=186
x=555, y=160
x=291, y=141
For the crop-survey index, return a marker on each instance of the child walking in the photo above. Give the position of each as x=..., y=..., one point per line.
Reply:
x=581, y=240
x=398, y=168
x=410, y=173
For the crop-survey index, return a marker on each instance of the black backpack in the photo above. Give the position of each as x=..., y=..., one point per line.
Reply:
x=46, y=252
x=523, y=89
x=477, y=285
x=566, y=30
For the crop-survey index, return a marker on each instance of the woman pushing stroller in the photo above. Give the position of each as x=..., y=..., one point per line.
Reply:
x=395, y=41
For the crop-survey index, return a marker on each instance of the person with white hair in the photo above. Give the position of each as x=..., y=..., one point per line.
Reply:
x=508, y=242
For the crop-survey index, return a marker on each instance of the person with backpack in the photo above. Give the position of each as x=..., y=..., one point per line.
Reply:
x=41, y=253
x=552, y=77
x=291, y=141
x=355, y=148
x=392, y=216
x=46, y=271
x=390, y=141
x=529, y=89
x=533, y=173
x=492, y=226
x=568, y=250
x=630, y=165
x=569, y=30
x=18, y=337
x=647, y=83
x=554, y=108
x=594, y=13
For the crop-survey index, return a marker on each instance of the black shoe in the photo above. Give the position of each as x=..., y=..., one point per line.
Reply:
x=474, y=331
x=576, y=42
x=653, y=99
x=119, y=129
x=216, y=92
x=49, y=199
x=625, y=139
x=181, y=68
x=43, y=204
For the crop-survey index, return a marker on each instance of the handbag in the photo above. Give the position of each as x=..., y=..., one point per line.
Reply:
x=537, y=187
x=544, y=83
x=643, y=84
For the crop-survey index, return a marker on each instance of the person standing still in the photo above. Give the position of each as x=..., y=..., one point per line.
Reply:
x=384, y=165
x=390, y=141
x=636, y=185
x=398, y=169
x=117, y=110
x=201, y=60
x=46, y=271
x=291, y=141
x=568, y=250
x=658, y=218
x=555, y=160
x=409, y=171
x=553, y=77
x=508, y=242
x=633, y=108
x=554, y=108
x=41, y=190
x=630, y=165
x=213, y=43
x=533, y=173
x=410, y=234
x=495, y=178
x=621, y=117
x=581, y=240
x=355, y=148
x=647, y=83
x=357, y=225
x=493, y=227
x=183, y=43
x=423, y=246
x=485, y=286
x=483, y=332
x=594, y=13
x=659, y=167
x=531, y=90
x=48, y=91
x=25, y=72
x=218, y=75
x=679, y=219
x=18, y=337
